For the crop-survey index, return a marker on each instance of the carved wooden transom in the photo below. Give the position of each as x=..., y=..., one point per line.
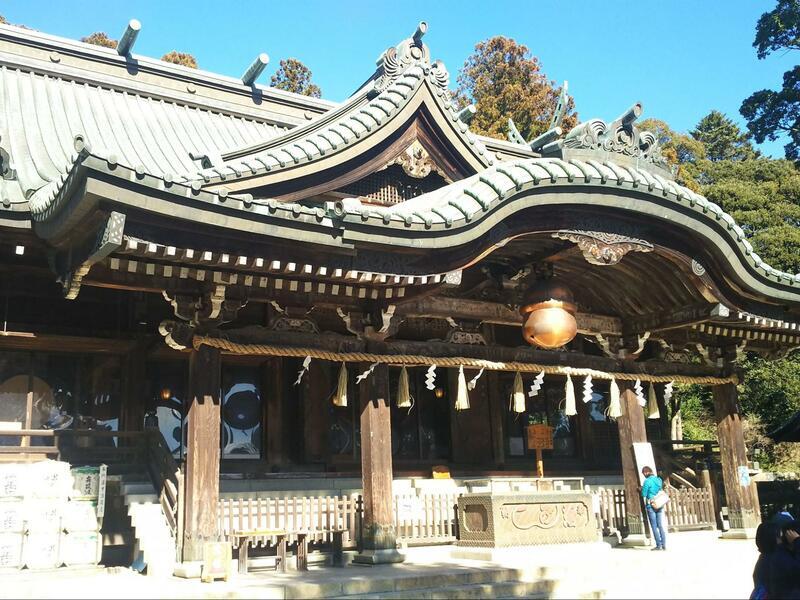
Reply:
x=601, y=248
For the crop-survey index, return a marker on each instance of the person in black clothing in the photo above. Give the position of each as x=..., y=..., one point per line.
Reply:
x=767, y=540
x=784, y=564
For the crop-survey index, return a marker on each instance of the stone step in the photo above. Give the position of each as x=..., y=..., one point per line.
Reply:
x=137, y=487
x=363, y=582
x=143, y=498
x=506, y=589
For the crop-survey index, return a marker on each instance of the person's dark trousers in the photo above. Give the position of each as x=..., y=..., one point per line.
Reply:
x=656, y=519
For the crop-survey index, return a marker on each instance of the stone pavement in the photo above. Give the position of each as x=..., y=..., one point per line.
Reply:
x=696, y=565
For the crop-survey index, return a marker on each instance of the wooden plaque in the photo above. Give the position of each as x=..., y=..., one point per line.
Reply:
x=540, y=437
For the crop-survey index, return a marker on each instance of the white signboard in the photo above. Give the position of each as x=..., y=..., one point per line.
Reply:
x=643, y=455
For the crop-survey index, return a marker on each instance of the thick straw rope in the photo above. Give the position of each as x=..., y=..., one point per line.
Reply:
x=425, y=361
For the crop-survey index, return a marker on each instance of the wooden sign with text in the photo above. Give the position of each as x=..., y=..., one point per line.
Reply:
x=540, y=437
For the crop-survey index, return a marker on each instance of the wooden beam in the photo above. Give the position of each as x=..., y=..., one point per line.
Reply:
x=202, y=453
x=631, y=430
x=27, y=340
x=439, y=307
x=744, y=513
x=683, y=317
x=380, y=538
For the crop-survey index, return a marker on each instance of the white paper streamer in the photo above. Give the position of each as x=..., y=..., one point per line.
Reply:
x=639, y=390
x=536, y=385
x=306, y=362
x=430, y=377
x=474, y=381
x=366, y=373
x=668, y=390
x=587, y=389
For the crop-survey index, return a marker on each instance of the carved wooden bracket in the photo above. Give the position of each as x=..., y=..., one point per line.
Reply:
x=212, y=307
x=601, y=248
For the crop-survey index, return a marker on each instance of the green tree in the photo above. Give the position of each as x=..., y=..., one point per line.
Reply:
x=763, y=196
x=293, y=76
x=504, y=81
x=100, y=38
x=772, y=114
x=180, y=58
x=722, y=138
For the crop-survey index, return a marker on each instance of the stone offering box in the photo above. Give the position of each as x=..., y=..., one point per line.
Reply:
x=501, y=520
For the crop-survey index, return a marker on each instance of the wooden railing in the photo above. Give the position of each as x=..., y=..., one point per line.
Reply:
x=612, y=511
x=167, y=478
x=315, y=515
x=425, y=519
x=688, y=508
x=16, y=445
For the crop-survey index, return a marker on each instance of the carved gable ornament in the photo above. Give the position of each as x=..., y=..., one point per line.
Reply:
x=601, y=248
x=417, y=163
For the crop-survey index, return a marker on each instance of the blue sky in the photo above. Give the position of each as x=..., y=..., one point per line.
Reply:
x=679, y=58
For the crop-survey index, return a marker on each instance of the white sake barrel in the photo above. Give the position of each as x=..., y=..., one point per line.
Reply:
x=11, y=550
x=50, y=479
x=80, y=515
x=80, y=548
x=43, y=516
x=13, y=481
x=40, y=550
x=12, y=516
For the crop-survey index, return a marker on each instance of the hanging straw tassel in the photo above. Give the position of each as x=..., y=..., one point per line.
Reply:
x=518, y=395
x=462, y=399
x=569, y=399
x=340, y=397
x=652, y=404
x=614, y=404
x=403, y=395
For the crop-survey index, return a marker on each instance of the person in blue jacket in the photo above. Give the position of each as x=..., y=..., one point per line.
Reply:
x=651, y=486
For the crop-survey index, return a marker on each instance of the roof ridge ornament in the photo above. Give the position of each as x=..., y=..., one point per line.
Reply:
x=411, y=51
x=622, y=137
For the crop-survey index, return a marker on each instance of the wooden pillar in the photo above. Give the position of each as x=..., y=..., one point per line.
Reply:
x=134, y=394
x=380, y=542
x=274, y=413
x=744, y=514
x=202, y=452
x=631, y=431
x=496, y=416
x=316, y=387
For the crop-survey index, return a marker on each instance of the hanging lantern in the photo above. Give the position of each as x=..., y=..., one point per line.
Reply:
x=403, y=395
x=340, y=398
x=166, y=394
x=548, y=310
x=438, y=392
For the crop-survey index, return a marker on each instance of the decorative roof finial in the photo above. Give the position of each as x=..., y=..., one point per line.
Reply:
x=597, y=139
x=561, y=108
x=255, y=69
x=422, y=29
x=128, y=38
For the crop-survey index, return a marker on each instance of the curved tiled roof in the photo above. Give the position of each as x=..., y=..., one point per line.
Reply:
x=354, y=120
x=45, y=119
x=461, y=203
